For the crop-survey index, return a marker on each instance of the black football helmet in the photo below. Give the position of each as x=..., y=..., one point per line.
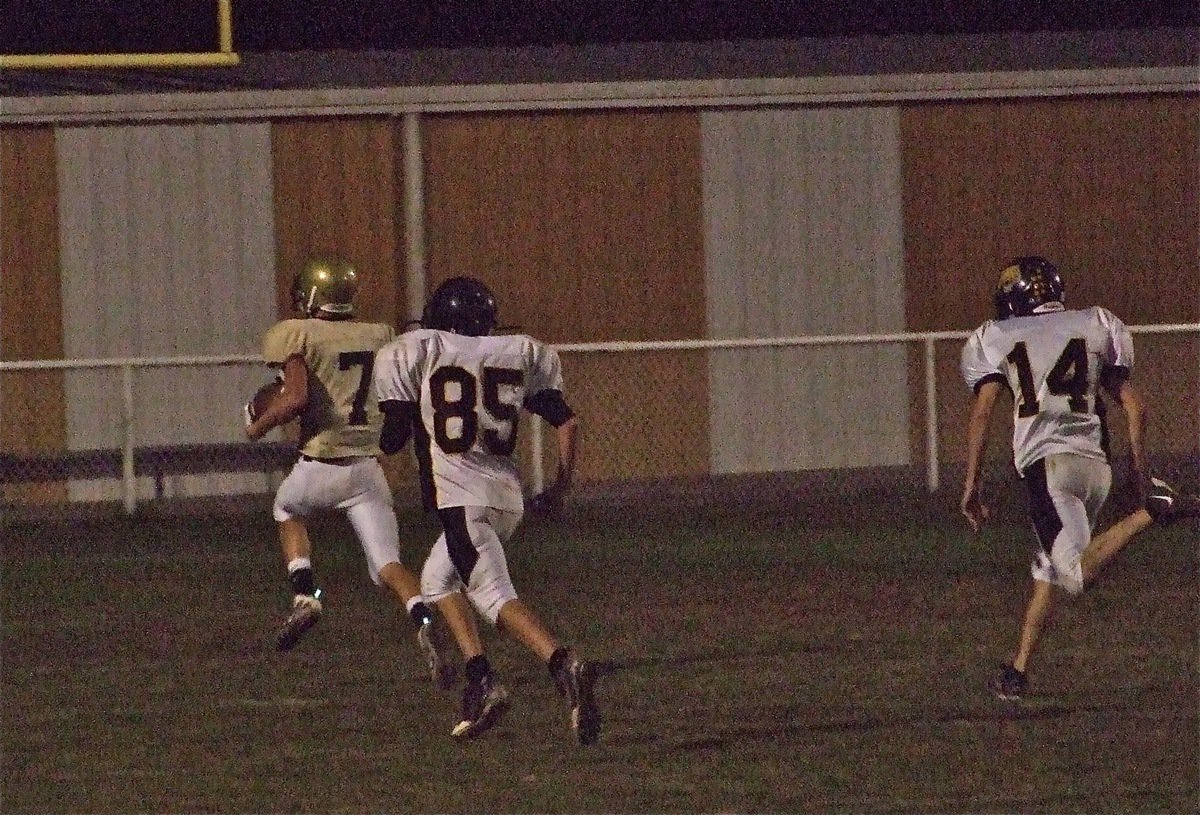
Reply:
x=461, y=305
x=1030, y=285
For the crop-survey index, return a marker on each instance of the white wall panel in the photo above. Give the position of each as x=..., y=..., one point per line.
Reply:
x=167, y=242
x=803, y=236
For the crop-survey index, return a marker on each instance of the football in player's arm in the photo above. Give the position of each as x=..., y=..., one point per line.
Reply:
x=327, y=358
x=278, y=405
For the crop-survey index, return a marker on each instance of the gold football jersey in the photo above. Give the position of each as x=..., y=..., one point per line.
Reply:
x=342, y=417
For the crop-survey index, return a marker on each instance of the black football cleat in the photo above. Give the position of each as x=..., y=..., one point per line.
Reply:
x=1166, y=505
x=1010, y=685
x=576, y=681
x=484, y=703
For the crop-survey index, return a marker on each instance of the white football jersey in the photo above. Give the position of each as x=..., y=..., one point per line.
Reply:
x=470, y=391
x=340, y=419
x=1052, y=364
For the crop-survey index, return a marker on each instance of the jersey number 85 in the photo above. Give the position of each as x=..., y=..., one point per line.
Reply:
x=499, y=418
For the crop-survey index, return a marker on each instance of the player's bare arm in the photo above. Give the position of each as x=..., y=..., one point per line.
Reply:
x=972, y=506
x=1134, y=407
x=568, y=446
x=551, y=406
x=550, y=500
x=292, y=399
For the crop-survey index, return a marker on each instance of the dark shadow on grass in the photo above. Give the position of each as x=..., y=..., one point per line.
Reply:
x=795, y=727
x=681, y=660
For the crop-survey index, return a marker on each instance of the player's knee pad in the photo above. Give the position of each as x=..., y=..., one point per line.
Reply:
x=1062, y=570
x=282, y=506
x=375, y=527
x=490, y=596
x=438, y=575
x=1069, y=573
x=290, y=501
x=434, y=586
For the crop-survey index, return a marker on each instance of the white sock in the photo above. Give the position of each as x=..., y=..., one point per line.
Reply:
x=295, y=564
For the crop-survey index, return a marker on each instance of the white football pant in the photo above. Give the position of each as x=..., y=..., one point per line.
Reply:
x=1066, y=493
x=360, y=489
x=478, y=534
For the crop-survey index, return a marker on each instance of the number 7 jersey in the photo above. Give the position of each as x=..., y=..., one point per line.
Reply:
x=340, y=420
x=1053, y=364
x=470, y=391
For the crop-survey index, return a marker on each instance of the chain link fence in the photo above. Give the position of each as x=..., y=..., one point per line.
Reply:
x=134, y=433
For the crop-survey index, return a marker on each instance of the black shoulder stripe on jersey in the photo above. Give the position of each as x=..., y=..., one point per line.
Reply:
x=424, y=454
x=551, y=406
x=996, y=377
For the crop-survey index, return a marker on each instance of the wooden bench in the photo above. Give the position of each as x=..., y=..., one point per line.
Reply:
x=157, y=462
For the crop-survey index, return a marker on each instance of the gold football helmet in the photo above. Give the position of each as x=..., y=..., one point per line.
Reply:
x=325, y=286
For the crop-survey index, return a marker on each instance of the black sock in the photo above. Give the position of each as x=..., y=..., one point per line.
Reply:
x=477, y=668
x=420, y=614
x=302, y=581
x=558, y=660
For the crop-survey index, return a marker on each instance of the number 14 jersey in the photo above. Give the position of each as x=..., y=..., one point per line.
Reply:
x=470, y=391
x=1053, y=364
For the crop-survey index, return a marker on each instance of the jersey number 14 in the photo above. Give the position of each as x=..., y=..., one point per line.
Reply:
x=1068, y=377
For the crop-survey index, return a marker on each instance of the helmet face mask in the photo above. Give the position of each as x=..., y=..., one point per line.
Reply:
x=461, y=305
x=325, y=287
x=1030, y=285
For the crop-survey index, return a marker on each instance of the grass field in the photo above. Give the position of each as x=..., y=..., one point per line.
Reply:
x=824, y=657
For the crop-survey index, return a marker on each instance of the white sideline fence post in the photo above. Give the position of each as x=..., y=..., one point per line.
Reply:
x=128, y=476
x=931, y=418
x=414, y=216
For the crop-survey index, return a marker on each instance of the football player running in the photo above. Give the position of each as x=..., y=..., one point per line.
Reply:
x=460, y=389
x=326, y=358
x=1054, y=362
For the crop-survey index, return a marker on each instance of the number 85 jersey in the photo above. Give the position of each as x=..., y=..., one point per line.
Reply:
x=470, y=391
x=1053, y=364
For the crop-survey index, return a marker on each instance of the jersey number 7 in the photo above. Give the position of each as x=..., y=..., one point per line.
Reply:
x=354, y=359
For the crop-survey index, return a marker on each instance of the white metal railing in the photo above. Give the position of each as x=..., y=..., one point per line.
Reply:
x=127, y=366
x=927, y=339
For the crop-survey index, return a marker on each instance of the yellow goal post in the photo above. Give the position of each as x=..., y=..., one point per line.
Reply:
x=224, y=55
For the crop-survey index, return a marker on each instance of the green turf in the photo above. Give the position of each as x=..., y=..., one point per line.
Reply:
x=758, y=661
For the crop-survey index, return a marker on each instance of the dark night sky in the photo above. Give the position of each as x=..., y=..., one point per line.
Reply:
x=60, y=26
